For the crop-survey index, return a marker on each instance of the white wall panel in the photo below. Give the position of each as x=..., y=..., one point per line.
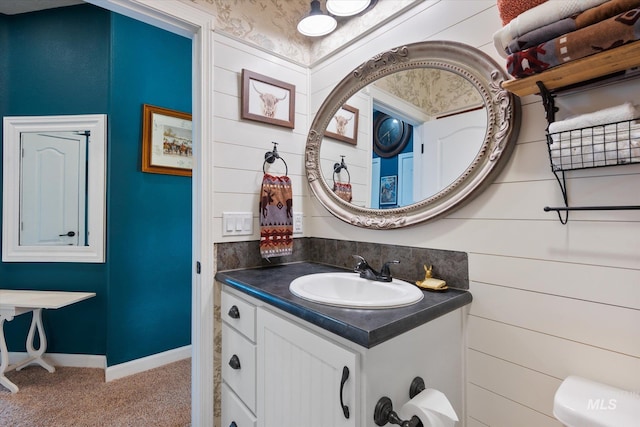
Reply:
x=614, y=286
x=233, y=56
x=472, y=422
x=501, y=411
x=552, y=355
x=497, y=201
x=577, y=320
x=526, y=386
x=240, y=145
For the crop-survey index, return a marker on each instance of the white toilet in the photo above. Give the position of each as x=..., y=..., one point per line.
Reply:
x=584, y=403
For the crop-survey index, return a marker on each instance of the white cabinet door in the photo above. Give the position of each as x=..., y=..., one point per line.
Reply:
x=300, y=377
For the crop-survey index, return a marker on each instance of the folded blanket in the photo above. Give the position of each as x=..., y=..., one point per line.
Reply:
x=509, y=9
x=618, y=113
x=604, y=35
x=573, y=23
x=276, y=216
x=544, y=14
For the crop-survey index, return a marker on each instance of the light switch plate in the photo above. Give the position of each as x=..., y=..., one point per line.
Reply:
x=237, y=223
x=297, y=223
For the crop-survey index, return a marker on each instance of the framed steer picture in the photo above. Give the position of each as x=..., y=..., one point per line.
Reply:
x=268, y=100
x=344, y=126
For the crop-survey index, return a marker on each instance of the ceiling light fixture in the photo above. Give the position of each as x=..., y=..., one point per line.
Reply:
x=317, y=23
x=346, y=7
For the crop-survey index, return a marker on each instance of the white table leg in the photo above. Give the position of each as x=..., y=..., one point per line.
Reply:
x=35, y=356
x=4, y=357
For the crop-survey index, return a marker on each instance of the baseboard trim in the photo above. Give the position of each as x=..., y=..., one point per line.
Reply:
x=145, y=363
x=111, y=372
x=66, y=360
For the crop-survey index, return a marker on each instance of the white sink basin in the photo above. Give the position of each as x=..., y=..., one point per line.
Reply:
x=350, y=290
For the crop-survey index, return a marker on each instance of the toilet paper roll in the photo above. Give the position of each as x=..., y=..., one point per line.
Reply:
x=432, y=407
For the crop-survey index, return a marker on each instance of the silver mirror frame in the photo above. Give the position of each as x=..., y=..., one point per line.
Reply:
x=503, y=125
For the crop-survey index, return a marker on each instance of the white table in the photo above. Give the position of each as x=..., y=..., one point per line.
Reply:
x=16, y=302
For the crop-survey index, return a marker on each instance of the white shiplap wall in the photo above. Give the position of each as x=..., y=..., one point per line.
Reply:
x=240, y=145
x=549, y=300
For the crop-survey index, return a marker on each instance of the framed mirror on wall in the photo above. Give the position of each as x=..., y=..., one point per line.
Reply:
x=437, y=119
x=54, y=188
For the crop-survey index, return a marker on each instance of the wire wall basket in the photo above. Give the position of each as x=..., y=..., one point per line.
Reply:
x=596, y=146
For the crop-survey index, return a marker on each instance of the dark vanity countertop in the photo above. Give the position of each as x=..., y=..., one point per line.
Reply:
x=366, y=327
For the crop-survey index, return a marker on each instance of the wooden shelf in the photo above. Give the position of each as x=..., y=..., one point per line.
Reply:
x=581, y=70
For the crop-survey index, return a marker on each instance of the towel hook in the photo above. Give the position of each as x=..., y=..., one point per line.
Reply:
x=271, y=156
x=337, y=167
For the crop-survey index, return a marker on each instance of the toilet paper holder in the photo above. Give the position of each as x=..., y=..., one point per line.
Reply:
x=384, y=413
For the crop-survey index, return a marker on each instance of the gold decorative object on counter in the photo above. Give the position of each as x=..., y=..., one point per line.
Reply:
x=430, y=283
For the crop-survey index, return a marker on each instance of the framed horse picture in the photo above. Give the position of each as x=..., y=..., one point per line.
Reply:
x=167, y=146
x=268, y=100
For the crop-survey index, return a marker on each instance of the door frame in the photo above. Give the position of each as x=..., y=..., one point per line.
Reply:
x=188, y=21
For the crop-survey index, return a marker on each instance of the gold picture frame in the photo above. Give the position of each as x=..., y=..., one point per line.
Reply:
x=167, y=145
x=268, y=100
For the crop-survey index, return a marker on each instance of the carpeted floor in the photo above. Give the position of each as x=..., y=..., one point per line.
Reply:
x=79, y=397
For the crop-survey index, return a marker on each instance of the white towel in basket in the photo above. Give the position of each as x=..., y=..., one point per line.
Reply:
x=596, y=146
x=618, y=113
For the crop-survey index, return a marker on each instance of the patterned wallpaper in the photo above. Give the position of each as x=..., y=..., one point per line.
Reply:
x=433, y=91
x=271, y=25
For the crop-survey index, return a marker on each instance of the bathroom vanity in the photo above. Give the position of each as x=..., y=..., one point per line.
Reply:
x=287, y=361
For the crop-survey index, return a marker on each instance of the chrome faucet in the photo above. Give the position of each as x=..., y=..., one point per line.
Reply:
x=367, y=272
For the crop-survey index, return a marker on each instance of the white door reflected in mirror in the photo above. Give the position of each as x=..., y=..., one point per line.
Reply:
x=420, y=128
x=52, y=192
x=54, y=189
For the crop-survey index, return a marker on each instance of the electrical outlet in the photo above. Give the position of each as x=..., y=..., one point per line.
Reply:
x=297, y=223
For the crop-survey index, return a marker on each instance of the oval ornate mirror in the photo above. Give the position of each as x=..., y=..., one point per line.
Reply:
x=439, y=174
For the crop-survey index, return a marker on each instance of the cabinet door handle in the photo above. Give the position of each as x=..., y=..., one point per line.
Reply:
x=234, y=362
x=234, y=313
x=233, y=424
x=345, y=376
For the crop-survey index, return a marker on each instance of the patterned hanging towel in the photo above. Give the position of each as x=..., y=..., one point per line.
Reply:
x=343, y=190
x=276, y=216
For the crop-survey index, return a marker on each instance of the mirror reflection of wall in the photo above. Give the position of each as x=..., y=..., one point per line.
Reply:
x=392, y=162
x=423, y=126
x=54, y=188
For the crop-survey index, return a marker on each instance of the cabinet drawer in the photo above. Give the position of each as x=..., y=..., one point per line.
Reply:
x=239, y=314
x=236, y=348
x=233, y=411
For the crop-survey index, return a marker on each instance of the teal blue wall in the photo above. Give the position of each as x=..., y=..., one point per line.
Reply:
x=58, y=63
x=149, y=276
x=81, y=60
x=3, y=64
